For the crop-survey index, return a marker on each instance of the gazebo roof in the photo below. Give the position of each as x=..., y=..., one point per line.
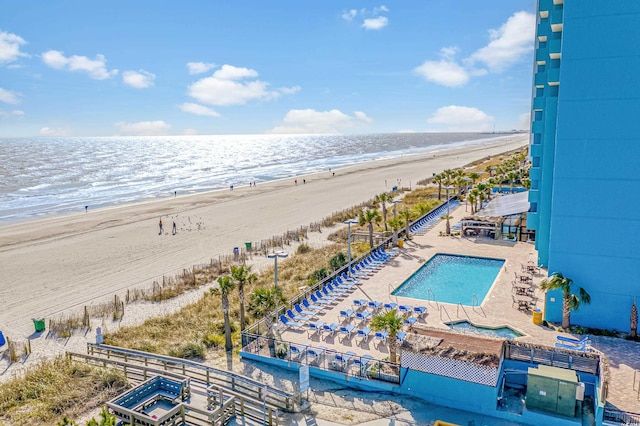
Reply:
x=506, y=205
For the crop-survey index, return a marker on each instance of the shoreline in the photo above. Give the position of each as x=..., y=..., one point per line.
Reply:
x=58, y=263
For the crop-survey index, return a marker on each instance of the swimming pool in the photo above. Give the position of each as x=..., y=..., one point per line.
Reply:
x=501, y=332
x=452, y=278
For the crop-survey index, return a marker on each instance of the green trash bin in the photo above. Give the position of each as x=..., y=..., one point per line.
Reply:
x=38, y=324
x=248, y=246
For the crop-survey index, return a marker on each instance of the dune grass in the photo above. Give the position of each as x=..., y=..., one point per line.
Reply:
x=57, y=388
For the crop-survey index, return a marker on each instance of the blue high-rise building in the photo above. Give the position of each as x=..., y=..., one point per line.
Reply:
x=585, y=151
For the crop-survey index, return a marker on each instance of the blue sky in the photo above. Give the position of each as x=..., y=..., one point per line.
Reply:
x=77, y=68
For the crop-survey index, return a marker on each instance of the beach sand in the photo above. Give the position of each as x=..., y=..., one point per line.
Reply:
x=57, y=264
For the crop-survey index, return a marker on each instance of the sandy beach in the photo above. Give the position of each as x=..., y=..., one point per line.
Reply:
x=55, y=264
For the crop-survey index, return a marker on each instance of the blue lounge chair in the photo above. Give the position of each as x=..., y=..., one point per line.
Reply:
x=400, y=336
x=335, y=290
x=346, y=314
x=361, y=362
x=329, y=329
x=315, y=354
x=363, y=334
x=390, y=306
x=314, y=327
x=289, y=323
x=363, y=316
x=584, y=339
x=405, y=309
x=325, y=296
x=304, y=312
x=346, y=283
x=341, y=361
x=381, y=336
x=296, y=351
x=311, y=307
x=345, y=330
x=580, y=348
x=374, y=305
x=359, y=303
x=295, y=317
x=410, y=322
x=420, y=311
x=320, y=301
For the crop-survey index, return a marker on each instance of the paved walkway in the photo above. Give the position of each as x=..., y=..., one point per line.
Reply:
x=497, y=309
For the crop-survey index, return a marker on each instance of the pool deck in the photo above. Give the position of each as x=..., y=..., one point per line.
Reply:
x=496, y=310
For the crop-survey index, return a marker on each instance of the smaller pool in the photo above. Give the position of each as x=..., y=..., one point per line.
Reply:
x=499, y=332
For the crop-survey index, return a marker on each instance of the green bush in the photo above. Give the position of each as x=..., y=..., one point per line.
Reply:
x=338, y=261
x=303, y=248
x=218, y=326
x=213, y=340
x=318, y=275
x=188, y=351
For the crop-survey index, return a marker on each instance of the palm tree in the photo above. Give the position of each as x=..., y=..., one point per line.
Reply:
x=438, y=179
x=474, y=177
x=405, y=215
x=225, y=286
x=396, y=224
x=512, y=176
x=262, y=304
x=570, y=301
x=447, y=217
x=473, y=197
x=368, y=217
x=242, y=275
x=383, y=199
x=391, y=322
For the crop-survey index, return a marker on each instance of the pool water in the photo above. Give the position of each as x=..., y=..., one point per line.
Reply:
x=501, y=332
x=451, y=279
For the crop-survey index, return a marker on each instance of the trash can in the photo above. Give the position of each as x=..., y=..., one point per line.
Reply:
x=236, y=251
x=38, y=324
x=401, y=243
x=248, y=245
x=2, y=340
x=536, y=316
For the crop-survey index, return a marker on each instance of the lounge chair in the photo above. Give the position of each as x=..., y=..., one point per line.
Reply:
x=381, y=336
x=400, y=336
x=315, y=354
x=573, y=341
x=346, y=314
x=405, y=309
x=346, y=278
x=345, y=330
x=363, y=316
x=336, y=290
x=335, y=296
x=311, y=307
x=304, y=312
x=390, y=306
x=420, y=311
x=374, y=305
x=314, y=327
x=295, y=317
x=359, y=303
x=320, y=301
x=290, y=324
x=329, y=329
x=584, y=347
x=361, y=362
x=325, y=296
x=341, y=361
x=410, y=322
x=296, y=351
x=363, y=333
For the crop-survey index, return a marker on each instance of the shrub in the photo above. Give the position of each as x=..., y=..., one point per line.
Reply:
x=282, y=349
x=338, y=261
x=188, y=351
x=318, y=275
x=213, y=340
x=303, y=248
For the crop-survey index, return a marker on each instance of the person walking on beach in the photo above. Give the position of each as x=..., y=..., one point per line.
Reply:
x=160, y=225
x=174, y=228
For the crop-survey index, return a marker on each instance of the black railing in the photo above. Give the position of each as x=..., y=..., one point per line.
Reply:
x=324, y=358
x=622, y=417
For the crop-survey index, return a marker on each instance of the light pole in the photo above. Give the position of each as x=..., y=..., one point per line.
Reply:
x=349, y=222
x=275, y=257
x=395, y=209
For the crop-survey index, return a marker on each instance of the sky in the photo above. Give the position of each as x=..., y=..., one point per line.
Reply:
x=78, y=68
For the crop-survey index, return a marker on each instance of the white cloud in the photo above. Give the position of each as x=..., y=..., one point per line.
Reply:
x=312, y=121
x=50, y=131
x=289, y=90
x=144, y=128
x=189, y=132
x=197, y=109
x=224, y=87
x=10, y=47
x=444, y=72
x=96, y=68
x=349, y=15
x=9, y=97
x=16, y=113
x=138, y=79
x=379, y=9
x=455, y=118
x=199, y=67
x=509, y=43
x=375, y=23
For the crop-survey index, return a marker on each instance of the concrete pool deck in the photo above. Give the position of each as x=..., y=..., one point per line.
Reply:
x=496, y=310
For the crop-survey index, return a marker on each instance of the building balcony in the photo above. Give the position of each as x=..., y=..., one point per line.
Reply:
x=542, y=56
x=540, y=79
x=537, y=127
x=533, y=220
x=538, y=103
x=555, y=48
x=557, y=15
x=553, y=76
x=535, y=150
x=534, y=174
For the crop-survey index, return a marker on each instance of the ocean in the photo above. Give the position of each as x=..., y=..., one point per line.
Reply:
x=42, y=176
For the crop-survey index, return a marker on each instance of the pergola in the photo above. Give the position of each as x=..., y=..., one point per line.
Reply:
x=504, y=210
